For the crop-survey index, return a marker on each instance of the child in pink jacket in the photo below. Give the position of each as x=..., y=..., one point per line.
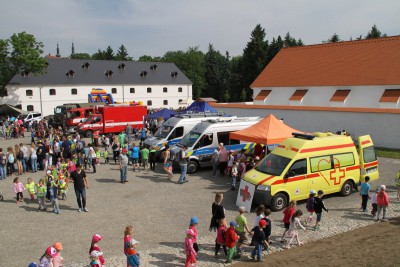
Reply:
x=189, y=250
x=383, y=202
x=18, y=189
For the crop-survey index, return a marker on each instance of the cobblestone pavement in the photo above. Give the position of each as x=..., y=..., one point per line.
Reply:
x=159, y=211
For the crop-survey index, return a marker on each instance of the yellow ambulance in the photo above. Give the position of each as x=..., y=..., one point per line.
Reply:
x=305, y=162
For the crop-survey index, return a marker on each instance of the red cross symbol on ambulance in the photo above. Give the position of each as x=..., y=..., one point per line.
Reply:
x=245, y=193
x=337, y=174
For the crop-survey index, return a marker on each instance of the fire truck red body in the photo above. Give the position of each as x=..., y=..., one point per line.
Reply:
x=113, y=119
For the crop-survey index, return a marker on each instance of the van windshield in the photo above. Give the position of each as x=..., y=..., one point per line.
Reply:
x=163, y=132
x=273, y=164
x=189, y=139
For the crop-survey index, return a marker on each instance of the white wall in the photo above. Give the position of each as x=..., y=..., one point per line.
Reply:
x=17, y=95
x=383, y=128
x=360, y=96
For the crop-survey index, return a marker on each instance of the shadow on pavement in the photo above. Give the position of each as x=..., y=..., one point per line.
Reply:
x=105, y=180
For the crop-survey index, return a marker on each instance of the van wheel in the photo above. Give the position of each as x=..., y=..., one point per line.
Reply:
x=89, y=133
x=347, y=188
x=192, y=166
x=279, y=202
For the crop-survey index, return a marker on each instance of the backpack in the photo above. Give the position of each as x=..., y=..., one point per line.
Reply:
x=11, y=158
x=20, y=155
x=2, y=159
x=114, y=146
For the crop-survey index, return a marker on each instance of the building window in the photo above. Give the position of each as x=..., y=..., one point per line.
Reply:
x=180, y=101
x=165, y=102
x=29, y=92
x=165, y=90
x=18, y=106
x=148, y=89
x=29, y=108
x=340, y=95
x=113, y=90
x=180, y=90
x=5, y=92
x=74, y=91
x=52, y=91
x=298, y=95
x=132, y=90
x=390, y=96
x=262, y=95
x=149, y=102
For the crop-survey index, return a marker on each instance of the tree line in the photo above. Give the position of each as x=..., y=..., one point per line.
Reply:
x=213, y=74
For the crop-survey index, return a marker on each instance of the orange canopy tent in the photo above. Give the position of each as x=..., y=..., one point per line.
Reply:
x=269, y=130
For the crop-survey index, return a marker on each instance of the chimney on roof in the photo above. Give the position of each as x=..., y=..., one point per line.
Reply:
x=70, y=73
x=58, y=51
x=174, y=74
x=25, y=73
x=143, y=73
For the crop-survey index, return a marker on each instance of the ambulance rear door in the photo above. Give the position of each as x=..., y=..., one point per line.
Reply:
x=368, y=160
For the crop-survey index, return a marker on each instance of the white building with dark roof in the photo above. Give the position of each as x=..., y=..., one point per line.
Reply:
x=155, y=84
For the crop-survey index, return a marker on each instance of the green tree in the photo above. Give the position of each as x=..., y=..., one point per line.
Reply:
x=254, y=58
x=215, y=64
x=109, y=53
x=122, y=54
x=21, y=53
x=236, y=80
x=374, y=33
x=192, y=64
x=334, y=38
x=80, y=56
x=99, y=55
x=145, y=58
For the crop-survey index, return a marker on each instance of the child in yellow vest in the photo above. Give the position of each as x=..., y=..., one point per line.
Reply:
x=63, y=186
x=98, y=155
x=41, y=194
x=30, y=186
x=105, y=155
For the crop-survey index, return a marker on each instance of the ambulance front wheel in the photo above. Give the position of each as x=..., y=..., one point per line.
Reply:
x=279, y=202
x=347, y=188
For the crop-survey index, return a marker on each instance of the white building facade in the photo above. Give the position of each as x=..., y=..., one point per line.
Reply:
x=157, y=85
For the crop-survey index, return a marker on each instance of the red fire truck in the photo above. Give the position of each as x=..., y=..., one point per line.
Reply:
x=113, y=118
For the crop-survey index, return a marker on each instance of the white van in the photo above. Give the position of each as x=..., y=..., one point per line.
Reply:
x=204, y=138
x=172, y=131
x=31, y=117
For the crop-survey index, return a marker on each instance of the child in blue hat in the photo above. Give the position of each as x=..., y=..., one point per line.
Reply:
x=193, y=222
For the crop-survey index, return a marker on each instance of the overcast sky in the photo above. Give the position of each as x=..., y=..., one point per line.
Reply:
x=153, y=27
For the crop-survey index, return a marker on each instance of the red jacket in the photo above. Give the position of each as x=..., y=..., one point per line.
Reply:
x=230, y=237
x=382, y=199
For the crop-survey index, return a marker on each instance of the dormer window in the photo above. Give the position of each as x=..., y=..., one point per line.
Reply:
x=85, y=65
x=153, y=67
x=174, y=74
x=121, y=66
x=108, y=73
x=25, y=73
x=70, y=73
x=143, y=73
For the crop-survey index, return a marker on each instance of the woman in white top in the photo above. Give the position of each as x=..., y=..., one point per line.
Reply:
x=295, y=224
x=33, y=158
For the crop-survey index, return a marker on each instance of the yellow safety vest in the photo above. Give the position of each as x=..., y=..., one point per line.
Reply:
x=31, y=188
x=397, y=180
x=41, y=191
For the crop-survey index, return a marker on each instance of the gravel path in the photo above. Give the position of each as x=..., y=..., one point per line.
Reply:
x=158, y=209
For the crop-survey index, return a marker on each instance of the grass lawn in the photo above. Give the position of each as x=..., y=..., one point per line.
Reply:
x=387, y=152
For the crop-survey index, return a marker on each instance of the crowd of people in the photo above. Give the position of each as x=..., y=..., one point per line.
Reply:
x=65, y=158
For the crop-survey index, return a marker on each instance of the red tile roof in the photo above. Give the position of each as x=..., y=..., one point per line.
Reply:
x=366, y=62
x=390, y=95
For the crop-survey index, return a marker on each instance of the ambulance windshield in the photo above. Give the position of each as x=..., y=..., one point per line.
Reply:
x=273, y=164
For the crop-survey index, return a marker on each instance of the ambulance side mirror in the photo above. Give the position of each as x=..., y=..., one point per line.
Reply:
x=289, y=174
